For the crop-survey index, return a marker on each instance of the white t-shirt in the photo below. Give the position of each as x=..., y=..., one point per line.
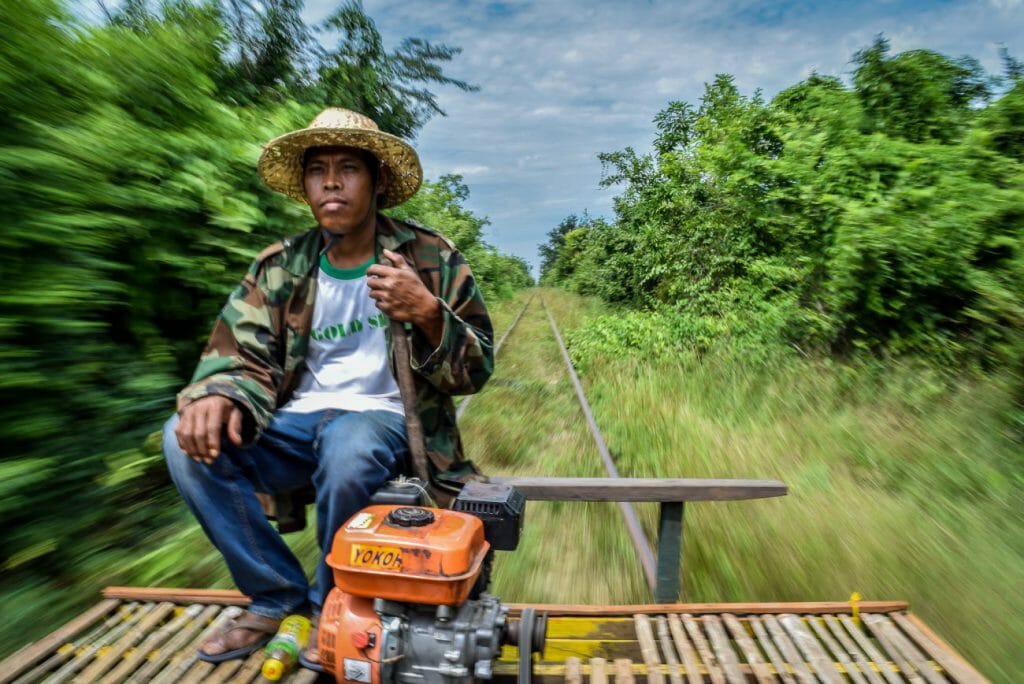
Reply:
x=347, y=360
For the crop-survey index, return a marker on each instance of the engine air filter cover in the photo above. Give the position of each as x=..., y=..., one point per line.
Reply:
x=376, y=554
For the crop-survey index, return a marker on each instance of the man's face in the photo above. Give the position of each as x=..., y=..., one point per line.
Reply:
x=339, y=188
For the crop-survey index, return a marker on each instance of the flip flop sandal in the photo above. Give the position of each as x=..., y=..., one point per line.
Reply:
x=264, y=627
x=309, y=657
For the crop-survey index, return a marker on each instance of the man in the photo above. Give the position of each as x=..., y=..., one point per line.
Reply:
x=297, y=384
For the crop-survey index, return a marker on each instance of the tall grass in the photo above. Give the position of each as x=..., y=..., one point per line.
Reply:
x=904, y=483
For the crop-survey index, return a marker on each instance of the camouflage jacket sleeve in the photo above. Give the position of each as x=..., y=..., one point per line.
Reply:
x=240, y=360
x=464, y=359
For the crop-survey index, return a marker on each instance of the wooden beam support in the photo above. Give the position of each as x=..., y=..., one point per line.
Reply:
x=807, y=608
x=641, y=489
x=670, y=551
x=224, y=597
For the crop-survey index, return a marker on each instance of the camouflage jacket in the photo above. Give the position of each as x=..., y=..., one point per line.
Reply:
x=257, y=349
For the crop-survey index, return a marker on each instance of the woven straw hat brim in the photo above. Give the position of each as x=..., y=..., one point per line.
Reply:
x=280, y=164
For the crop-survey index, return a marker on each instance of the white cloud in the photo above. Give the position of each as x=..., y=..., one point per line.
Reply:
x=470, y=170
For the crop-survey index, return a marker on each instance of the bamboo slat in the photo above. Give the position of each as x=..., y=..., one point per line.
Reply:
x=671, y=659
x=598, y=671
x=188, y=630
x=851, y=647
x=68, y=650
x=147, y=649
x=129, y=614
x=710, y=662
x=227, y=671
x=750, y=652
x=62, y=655
x=23, y=659
x=112, y=659
x=902, y=665
x=184, y=659
x=573, y=671
x=869, y=650
x=788, y=649
x=907, y=658
x=250, y=671
x=691, y=662
x=231, y=670
x=198, y=671
x=957, y=669
x=648, y=649
x=909, y=649
x=817, y=624
x=723, y=649
x=624, y=671
x=824, y=666
x=769, y=648
x=149, y=646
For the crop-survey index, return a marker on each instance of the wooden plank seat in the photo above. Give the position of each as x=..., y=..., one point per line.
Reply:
x=640, y=489
x=670, y=494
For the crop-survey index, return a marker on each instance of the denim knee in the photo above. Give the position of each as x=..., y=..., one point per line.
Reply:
x=365, y=447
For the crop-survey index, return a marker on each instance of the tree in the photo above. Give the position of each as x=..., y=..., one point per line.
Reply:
x=886, y=218
x=918, y=95
x=266, y=54
x=390, y=88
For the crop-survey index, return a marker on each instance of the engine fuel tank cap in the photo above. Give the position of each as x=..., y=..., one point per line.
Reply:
x=408, y=516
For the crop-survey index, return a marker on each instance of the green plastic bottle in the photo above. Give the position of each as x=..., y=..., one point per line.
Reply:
x=283, y=650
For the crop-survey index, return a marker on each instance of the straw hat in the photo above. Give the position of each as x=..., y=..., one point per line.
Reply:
x=280, y=164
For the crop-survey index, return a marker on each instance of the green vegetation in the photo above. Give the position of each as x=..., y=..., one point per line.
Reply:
x=131, y=208
x=827, y=288
x=903, y=483
x=886, y=217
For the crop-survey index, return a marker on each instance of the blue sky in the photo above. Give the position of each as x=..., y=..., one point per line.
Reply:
x=563, y=80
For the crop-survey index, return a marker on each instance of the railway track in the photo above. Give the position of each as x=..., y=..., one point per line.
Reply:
x=642, y=545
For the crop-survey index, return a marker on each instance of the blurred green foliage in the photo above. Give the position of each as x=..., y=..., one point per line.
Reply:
x=131, y=207
x=884, y=217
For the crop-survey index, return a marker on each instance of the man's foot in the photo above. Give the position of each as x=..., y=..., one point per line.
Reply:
x=245, y=634
x=309, y=657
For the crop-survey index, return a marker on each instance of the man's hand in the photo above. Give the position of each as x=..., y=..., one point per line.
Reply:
x=201, y=423
x=402, y=296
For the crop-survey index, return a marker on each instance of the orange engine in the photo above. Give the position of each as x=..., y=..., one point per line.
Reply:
x=408, y=602
x=409, y=554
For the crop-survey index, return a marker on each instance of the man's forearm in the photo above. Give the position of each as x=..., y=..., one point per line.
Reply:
x=431, y=322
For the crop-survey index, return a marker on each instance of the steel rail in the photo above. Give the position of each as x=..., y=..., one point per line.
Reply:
x=636, y=532
x=465, y=402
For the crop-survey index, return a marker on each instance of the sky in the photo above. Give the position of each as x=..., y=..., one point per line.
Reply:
x=563, y=80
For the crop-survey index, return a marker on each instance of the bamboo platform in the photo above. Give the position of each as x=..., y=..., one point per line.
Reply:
x=150, y=635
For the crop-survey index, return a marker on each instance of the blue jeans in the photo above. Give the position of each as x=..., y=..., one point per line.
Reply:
x=347, y=456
